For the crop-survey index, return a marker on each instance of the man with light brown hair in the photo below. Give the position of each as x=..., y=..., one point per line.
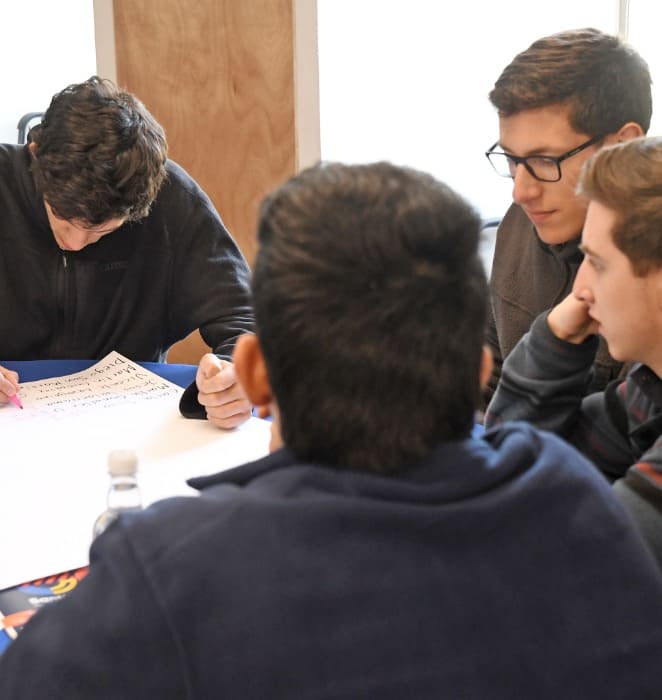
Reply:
x=617, y=294
x=558, y=102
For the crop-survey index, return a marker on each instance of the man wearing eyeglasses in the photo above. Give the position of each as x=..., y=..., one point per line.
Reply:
x=558, y=102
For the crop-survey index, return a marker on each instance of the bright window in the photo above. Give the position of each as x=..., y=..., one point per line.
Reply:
x=407, y=80
x=643, y=33
x=45, y=46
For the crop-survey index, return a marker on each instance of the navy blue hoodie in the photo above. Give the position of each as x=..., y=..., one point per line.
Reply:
x=500, y=567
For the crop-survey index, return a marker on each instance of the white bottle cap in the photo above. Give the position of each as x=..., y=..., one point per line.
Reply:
x=122, y=462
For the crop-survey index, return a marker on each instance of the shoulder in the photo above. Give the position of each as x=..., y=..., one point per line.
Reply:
x=180, y=189
x=14, y=157
x=516, y=243
x=559, y=484
x=182, y=205
x=515, y=225
x=10, y=151
x=178, y=178
x=545, y=456
x=516, y=219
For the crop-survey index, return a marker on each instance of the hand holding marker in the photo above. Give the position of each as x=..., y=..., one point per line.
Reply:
x=9, y=381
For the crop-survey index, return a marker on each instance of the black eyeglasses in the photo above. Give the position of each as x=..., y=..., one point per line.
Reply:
x=543, y=168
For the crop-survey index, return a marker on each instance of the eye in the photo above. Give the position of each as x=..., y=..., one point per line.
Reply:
x=542, y=161
x=596, y=264
x=543, y=165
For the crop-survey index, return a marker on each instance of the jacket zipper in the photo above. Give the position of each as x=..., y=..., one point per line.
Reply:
x=62, y=299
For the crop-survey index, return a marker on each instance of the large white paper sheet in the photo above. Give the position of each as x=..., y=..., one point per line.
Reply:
x=53, y=457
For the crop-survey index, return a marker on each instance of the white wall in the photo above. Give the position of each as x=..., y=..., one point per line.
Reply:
x=407, y=80
x=644, y=34
x=46, y=45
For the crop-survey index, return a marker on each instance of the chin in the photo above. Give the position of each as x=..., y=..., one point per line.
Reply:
x=554, y=236
x=617, y=354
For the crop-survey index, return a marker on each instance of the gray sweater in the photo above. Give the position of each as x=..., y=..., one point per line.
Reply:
x=529, y=277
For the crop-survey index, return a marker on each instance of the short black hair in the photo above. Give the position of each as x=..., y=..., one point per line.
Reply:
x=370, y=300
x=100, y=154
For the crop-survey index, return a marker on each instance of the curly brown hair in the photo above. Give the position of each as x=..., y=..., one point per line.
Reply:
x=98, y=154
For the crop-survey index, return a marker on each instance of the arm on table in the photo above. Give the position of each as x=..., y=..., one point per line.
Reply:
x=210, y=292
x=216, y=394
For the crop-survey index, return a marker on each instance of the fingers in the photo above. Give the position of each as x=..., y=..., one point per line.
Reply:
x=570, y=320
x=219, y=392
x=263, y=411
x=8, y=384
x=230, y=415
x=214, y=374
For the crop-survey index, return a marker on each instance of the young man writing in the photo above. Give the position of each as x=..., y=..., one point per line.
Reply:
x=108, y=245
x=617, y=294
x=558, y=102
x=380, y=551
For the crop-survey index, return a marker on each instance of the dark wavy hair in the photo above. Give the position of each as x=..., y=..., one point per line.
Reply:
x=370, y=302
x=98, y=154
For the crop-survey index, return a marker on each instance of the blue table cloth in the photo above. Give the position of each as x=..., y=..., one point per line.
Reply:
x=32, y=370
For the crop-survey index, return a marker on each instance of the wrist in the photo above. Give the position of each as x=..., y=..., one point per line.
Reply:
x=573, y=336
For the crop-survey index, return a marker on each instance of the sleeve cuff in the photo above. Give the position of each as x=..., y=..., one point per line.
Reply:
x=188, y=403
x=567, y=356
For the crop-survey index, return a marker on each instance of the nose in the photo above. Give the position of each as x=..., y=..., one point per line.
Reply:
x=582, y=288
x=525, y=186
x=75, y=238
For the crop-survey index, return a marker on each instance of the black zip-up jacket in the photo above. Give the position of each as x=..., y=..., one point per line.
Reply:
x=137, y=290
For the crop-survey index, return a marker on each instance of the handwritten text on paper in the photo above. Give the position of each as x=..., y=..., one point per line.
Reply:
x=112, y=381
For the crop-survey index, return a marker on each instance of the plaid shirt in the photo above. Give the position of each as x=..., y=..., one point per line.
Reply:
x=544, y=381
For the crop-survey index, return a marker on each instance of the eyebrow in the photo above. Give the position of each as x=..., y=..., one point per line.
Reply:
x=104, y=230
x=587, y=251
x=543, y=151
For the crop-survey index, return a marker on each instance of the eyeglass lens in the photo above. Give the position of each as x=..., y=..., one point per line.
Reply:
x=540, y=167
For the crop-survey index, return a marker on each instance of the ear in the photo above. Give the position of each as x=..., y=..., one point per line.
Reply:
x=486, y=365
x=656, y=277
x=32, y=147
x=629, y=130
x=251, y=370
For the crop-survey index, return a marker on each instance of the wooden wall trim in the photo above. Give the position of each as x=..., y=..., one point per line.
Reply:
x=306, y=78
x=234, y=84
x=104, y=39
x=219, y=76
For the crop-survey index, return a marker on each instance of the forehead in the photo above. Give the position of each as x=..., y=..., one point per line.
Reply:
x=598, y=227
x=544, y=129
x=104, y=227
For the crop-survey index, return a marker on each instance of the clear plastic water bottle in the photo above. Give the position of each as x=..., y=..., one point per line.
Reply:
x=123, y=492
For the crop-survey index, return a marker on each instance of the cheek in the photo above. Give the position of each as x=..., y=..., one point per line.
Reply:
x=576, y=206
x=63, y=232
x=574, y=214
